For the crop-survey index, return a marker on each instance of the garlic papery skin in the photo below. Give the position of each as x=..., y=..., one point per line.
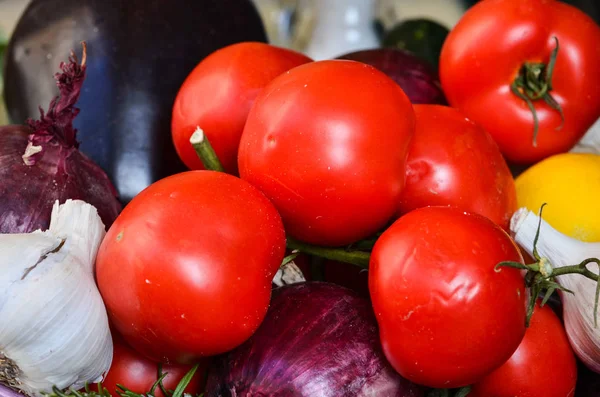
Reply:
x=53, y=323
x=561, y=250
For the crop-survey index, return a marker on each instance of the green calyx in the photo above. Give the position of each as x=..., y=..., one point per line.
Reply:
x=534, y=82
x=541, y=276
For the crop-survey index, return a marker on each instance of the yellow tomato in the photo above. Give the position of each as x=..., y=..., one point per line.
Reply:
x=570, y=184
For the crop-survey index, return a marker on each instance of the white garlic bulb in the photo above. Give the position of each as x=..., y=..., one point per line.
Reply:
x=53, y=324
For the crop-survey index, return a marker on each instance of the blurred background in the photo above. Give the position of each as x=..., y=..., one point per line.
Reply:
x=328, y=28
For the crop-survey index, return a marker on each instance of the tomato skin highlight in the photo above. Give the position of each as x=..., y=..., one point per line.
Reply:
x=186, y=270
x=137, y=373
x=327, y=143
x=446, y=317
x=544, y=365
x=218, y=94
x=453, y=161
x=476, y=74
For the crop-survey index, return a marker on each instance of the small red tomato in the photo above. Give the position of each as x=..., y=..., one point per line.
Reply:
x=185, y=271
x=544, y=365
x=453, y=161
x=218, y=94
x=327, y=143
x=137, y=373
x=447, y=318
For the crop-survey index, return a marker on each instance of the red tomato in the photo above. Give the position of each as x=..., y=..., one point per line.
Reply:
x=137, y=373
x=218, y=94
x=484, y=53
x=185, y=271
x=453, y=161
x=544, y=365
x=327, y=143
x=446, y=317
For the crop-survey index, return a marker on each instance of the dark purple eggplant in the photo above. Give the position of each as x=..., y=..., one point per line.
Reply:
x=140, y=52
x=317, y=340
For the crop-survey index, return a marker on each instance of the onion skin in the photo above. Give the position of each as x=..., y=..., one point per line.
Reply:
x=5, y=391
x=414, y=75
x=28, y=192
x=317, y=340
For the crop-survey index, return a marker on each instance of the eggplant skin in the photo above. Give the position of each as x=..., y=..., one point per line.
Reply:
x=139, y=53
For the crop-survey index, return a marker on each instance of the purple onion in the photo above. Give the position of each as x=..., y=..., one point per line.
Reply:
x=40, y=163
x=5, y=391
x=419, y=81
x=318, y=340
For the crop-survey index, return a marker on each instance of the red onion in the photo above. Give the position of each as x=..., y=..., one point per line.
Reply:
x=414, y=75
x=318, y=340
x=40, y=163
x=5, y=391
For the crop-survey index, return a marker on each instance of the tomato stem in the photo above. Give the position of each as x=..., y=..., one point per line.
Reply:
x=534, y=82
x=463, y=392
x=541, y=275
x=358, y=258
x=205, y=151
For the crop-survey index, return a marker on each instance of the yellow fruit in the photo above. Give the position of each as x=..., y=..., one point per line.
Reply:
x=570, y=184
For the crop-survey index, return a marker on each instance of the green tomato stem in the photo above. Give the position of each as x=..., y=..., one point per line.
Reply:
x=358, y=258
x=534, y=82
x=205, y=151
x=541, y=276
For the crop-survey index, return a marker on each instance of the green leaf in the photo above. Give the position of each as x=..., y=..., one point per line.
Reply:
x=185, y=382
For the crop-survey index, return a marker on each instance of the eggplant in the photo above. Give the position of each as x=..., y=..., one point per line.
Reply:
x=139, y=54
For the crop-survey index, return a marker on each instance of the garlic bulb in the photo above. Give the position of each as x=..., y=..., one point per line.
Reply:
x=560, y=250
x=53, y=324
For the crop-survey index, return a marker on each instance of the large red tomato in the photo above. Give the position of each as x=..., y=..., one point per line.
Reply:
x=487, y=50
x=218, y=94
x=185, y=271
x=544, y=365
x=138, y=374
x=327, y=143
x=446, y=317
x=453, y=161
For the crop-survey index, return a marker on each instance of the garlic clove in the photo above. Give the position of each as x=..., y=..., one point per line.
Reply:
x=53, y=324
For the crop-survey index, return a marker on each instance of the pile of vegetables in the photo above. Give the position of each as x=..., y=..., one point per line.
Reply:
x=346, y=227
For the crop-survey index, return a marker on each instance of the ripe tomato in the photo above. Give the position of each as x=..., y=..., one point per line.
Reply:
x=544, y=365
x=327, y=143
x=185, y=271
x=137, y=373
x=485, y=52
x=446, y=317
x=218, y=94
x=453, y=161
